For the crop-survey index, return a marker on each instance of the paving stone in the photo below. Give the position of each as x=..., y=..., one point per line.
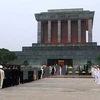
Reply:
x=54, y=89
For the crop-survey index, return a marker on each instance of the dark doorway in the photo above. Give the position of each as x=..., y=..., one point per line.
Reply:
x=59, y=61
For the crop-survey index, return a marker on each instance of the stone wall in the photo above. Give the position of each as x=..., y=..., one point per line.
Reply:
x=38, y=54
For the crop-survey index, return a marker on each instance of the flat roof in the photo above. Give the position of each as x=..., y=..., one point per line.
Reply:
x=65, y=14
x=66, y=10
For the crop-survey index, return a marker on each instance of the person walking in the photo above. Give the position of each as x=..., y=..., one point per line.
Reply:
x=66, y=67
x=60, y=70
x=41, y=72
x=50, y=70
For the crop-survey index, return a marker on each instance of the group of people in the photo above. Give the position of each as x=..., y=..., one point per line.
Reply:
x=57, y=69
x=95, y=72
x=52, y=70
x=9, y=76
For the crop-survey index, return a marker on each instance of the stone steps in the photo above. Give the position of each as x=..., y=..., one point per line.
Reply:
x=71, y=76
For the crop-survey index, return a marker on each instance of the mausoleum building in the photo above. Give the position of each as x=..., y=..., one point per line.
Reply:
x=62, y=39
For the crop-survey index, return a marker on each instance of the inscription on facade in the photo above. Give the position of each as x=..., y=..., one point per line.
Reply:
x=63, y=16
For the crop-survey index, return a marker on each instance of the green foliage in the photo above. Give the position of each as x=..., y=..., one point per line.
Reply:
x=89, y=63
x=25, y=63
x=98, y=57
x=6, y=56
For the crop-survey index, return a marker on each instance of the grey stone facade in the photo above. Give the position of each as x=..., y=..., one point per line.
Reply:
x=80, y=53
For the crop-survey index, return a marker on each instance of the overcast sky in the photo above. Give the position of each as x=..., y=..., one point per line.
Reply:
x=18, y=26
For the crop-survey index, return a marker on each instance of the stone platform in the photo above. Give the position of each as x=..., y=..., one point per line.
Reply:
x=54, y=89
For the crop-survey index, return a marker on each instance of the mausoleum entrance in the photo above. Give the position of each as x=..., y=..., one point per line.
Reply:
x=62, y=62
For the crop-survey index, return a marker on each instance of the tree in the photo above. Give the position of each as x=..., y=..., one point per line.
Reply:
x=89, y=63
x=98, y=57
x=6, y=56
x=25, y=63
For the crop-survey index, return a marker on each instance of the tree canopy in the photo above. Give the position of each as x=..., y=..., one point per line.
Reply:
x=25, y=63
x=6, y=56
x=89, y=63
x=98, y=57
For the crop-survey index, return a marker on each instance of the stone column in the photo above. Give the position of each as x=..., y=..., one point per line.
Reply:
x=59, y=31
x=42, y=36
x=69, y=31
x=49, y=31
x=79, y=30
x=89, y=30
x=39, y=32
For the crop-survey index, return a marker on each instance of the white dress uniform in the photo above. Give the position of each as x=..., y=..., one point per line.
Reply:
x=98, y=76
x=60, y=70
x=50, y=70
x=2, y=76
x=54, y=70
x=66, y=68
x=92, y=71
x=95, y=74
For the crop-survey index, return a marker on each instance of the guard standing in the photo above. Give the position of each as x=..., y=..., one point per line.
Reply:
x=41, y=72
x=5, y=79
x=13, y=72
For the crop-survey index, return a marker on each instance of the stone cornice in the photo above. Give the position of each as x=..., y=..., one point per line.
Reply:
x=64, y=15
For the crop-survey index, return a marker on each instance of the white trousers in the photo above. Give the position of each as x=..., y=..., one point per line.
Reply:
x=1, y=83
x=41, y=76
x=60, y=71
x=96, y=78
x=99, y=79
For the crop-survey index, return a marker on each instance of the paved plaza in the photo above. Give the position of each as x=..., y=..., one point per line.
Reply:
x=54, y=89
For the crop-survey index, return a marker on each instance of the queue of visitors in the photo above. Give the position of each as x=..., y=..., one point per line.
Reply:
x=9, y=76
x=15, y=75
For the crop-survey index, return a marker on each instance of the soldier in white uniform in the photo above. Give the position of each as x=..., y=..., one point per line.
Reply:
x=60, y=69
x=92, y=71
x=50, y=70
x=2, y=76
x=66, y=69
x=98, y=76
x=55, y=70
x=96, y=73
